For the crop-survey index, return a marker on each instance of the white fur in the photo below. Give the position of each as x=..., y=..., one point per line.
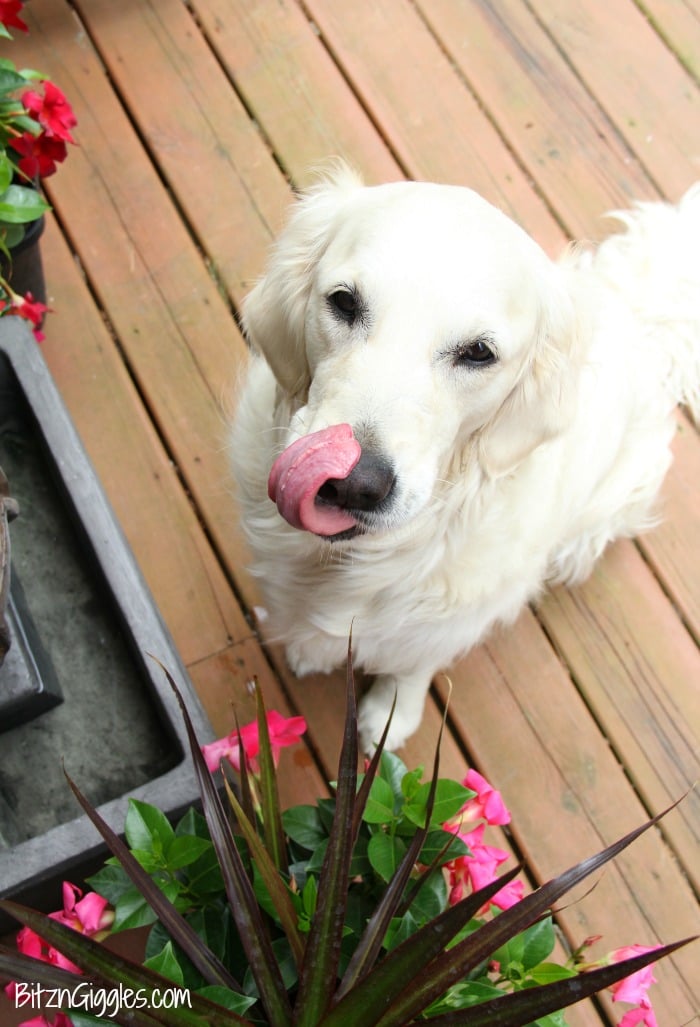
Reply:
x=508, y=476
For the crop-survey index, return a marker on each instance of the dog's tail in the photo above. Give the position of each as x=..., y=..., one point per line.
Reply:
x=655, y=265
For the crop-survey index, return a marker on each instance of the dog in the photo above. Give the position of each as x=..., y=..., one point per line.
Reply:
x=438, y=420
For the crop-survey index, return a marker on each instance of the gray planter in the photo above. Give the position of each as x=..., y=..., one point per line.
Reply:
x=121, y=627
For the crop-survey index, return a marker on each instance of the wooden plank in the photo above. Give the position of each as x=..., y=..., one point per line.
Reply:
x=568, y=145
x=653, y=101
x=639, y=671
x=176, y=329
x=293, y=88
x=423, y=109
x=536, y=741
x=678, y=24
x=134, y=469
x=202, y=137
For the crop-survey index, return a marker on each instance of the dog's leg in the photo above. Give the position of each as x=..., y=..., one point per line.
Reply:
x=410, y=691
x=318, y=655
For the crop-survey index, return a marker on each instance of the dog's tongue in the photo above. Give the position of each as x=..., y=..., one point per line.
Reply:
x=299, y=472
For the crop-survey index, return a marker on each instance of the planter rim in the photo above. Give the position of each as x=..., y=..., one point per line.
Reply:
x=24, y=873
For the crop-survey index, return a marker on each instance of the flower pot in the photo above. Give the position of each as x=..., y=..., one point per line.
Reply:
x=97, y=622
x=25, y=272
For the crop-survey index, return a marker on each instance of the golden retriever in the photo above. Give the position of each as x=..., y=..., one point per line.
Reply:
x=438, y=420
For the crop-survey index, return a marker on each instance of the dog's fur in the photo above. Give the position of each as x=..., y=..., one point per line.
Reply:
x=508, y=475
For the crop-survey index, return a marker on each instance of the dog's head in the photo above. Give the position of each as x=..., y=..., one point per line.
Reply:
x=426, y=321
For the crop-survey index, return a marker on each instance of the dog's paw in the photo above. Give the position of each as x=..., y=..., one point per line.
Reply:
x=375, y=709
x=305, y=658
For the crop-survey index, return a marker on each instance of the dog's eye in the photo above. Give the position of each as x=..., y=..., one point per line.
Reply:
x=344, y=302
x=477, y=353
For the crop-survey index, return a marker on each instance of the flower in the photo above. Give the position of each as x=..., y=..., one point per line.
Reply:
x=40, y=154
x=478, y=868
x=36, y=122
x=24, y=306
x=283, y=731
x=634, y=988
x=487, y=804
x=9, y=15
x=88, y=914
x=51, y=110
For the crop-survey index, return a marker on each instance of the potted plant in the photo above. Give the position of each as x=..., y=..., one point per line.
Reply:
x=373, y=907
x=35, y=129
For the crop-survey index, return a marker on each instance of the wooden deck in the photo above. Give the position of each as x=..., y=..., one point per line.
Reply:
x=194, y=119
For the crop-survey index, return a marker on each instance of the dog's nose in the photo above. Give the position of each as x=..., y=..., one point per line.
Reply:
x=367, y=486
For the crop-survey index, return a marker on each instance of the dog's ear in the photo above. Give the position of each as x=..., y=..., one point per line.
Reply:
x=274, y=313
x=543, y=401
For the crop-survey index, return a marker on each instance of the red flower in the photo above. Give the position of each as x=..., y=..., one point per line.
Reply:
x=40, y=154
x=9, y=15
x=51, y=110
x=28, y=308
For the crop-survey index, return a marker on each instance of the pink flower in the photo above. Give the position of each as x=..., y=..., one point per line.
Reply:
x=476, y=870
x=51, y=110
x=40, y=154
x=89, y=914
x=283, y=731
x=633, y=989
x=487, y=805
x=9, y=15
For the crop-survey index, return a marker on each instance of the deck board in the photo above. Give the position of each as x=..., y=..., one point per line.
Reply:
x=196, y=121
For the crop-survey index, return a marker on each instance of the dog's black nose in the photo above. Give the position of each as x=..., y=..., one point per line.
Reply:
x=366, y=487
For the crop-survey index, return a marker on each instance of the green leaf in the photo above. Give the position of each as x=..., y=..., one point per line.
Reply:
x=545, y=973
x=165, y=963
x=385, y=853
x=20, y=204
x=528, y=948
x=410, y=782
x=227, y=998
x=192, y=823
x=380, y=806
x=110, y=882
x=185, y=850
x=303, y=825
x=450, y=797
x=393, y=770
x=132, y=910
x=147, y=828
x=442, y=846
x=431, y=899
x=211, y=968
x=6, y=172
x=10, y=79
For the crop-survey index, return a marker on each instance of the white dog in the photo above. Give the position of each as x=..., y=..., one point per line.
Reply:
x=438, y=419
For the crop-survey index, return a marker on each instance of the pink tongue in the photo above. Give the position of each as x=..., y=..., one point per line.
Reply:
x=299, y=472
